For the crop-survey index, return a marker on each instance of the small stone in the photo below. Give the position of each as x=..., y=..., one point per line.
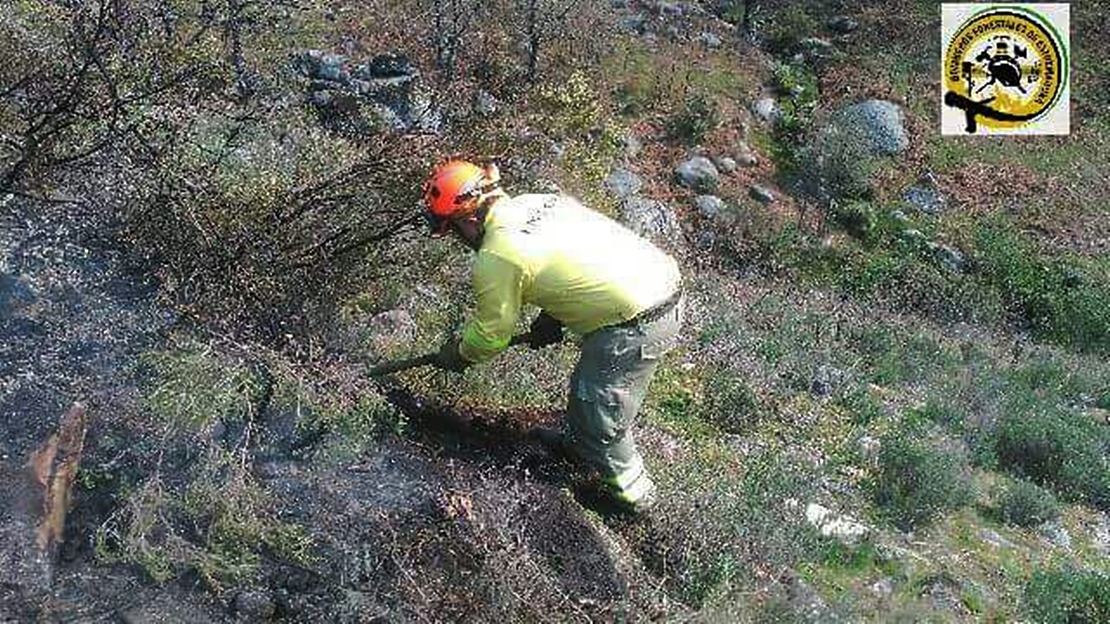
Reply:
x=823, y=381
x=484, y=103
x=949, y=257
x=1056, y=534
x=767, y=110
x=762, y=194
x=710, y=206
x=699, y=174
x=815, y=45
x=842, y=24
x=994, y=539
x=726, y=164
x=899, y=217
x=882, y=587
x=747, y=158
x=912, y=236
x=869, y=447
x=632, y=146
x=927, y=200
x=624, y=183
x=841, y=528
x=254, y=605
x=651, y=219
x=710, y=40
x=331, y=67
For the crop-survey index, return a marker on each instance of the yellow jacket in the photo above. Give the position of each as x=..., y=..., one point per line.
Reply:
x=577, y=265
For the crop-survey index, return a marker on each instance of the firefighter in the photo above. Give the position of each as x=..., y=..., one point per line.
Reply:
x=586, y=273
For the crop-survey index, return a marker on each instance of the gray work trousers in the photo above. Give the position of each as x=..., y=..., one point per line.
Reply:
x=607, y=389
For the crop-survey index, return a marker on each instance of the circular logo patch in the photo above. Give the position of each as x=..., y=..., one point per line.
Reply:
x=1005, y=67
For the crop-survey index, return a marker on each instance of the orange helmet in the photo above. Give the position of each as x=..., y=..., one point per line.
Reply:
x=453, y=190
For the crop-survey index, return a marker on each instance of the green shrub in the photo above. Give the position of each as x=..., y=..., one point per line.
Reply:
x=1045, y=293
x=858, y=218
x=1025, y=504
x=1054, y=446
x=192, y=385
x=219, y=523
x=699, y=116
x=1066, y=595
x=800, y=88
x=919, y=477
x=731, y=403
x=862, y=405
x=791, y=25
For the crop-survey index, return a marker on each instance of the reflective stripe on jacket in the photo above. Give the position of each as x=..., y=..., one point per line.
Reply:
x=579, y=266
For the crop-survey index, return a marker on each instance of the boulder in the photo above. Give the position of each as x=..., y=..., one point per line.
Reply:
x=851, y=147
x=948, y=257
x=699, y=174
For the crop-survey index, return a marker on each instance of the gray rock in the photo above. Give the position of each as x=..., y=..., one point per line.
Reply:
x=878, y=124
x=1056, y=534
x=994, y=539
x=913, y=237
x=624, y=183
x=882, y=587
x=254, y=605
x=632, y=146
x=699, y=174
x=725, y=164
x=767, y=110
x=825, y=378
x=900, y=218
x=761, y=194
x=842, y=24
x=331, y=67
x=619, y=4
x=710, y=206
x=850, y=149
x=710, y=40
x=949, y=257
x=1100, y=536
x=635, y=24
x=746, y=157
x=816, y=46
x=869, y=447
x=927, y=200
x=484, y=103
x=651, y=219
x=842, y=528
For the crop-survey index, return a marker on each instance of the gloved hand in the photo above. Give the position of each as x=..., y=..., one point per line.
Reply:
x=449, y=358
x=545, y=330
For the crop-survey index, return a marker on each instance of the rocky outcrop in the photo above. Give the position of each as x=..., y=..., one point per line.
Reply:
x=383, y=95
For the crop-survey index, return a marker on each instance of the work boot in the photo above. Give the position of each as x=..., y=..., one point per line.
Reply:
x=638, y=507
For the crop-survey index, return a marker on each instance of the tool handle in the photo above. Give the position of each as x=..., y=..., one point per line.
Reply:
x=426, y=360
